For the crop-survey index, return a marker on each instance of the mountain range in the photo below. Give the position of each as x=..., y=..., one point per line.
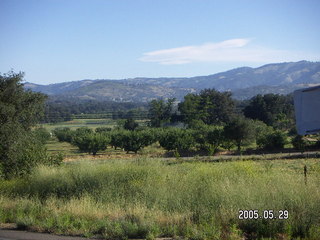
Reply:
x=244, y=83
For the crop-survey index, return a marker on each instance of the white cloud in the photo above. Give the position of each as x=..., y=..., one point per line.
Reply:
x=233, y=50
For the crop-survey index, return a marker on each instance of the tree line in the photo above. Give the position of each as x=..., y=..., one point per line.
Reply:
x=218, y=108
x=208, y=106
x=204, y=121
x=202, y=137
x=60, y=110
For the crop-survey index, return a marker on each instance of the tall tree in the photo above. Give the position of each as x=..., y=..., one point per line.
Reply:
x=240, y=130
x=273, y=109
x=209, y=106
x=160, y=111
x=19, y=111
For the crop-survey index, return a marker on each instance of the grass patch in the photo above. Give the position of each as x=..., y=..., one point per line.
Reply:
x=77, y=123
x=145, y=198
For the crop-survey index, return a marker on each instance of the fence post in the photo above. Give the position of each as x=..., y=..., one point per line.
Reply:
x=305, y=170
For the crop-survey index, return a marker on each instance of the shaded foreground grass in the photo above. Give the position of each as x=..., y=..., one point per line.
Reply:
x=146, y=198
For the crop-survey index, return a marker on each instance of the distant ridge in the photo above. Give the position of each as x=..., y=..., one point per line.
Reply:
x=244, y=82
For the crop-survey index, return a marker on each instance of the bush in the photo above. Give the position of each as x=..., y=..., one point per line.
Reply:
x=91, y=142
x=261, y=129
x=103, y=129
x=42, y=134
x=63, y=134
x=54, y=159
x=272, y=141
x=130, y=124
x=208, y=138
x=136, y=140
x=83, y=131
x=177, y=139
x=22, y=156
x=299, y=143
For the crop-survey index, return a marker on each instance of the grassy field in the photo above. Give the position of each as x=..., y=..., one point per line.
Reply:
x=76, y=123
x=115, y=195
x=148, y=198
x=90, y=123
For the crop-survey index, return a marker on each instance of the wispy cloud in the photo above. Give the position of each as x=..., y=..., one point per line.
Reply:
x=233, y=50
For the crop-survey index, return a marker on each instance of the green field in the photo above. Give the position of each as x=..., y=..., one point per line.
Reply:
x=76, y=123
x=86, y=122
x=115, y=195
x=148, y=198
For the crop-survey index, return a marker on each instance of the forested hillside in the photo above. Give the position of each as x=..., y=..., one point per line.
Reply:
x=244, y=83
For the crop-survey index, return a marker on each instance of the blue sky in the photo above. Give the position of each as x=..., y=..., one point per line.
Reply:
x=66, y=40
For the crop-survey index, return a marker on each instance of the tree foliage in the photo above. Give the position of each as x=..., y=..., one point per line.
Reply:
x=20, y=109
x=160, y=111
x=42, y=134
x=299, y=143
x=209, y=106
x=63, y=134
x=91, y=142
x=273, y=109
x=136, y=140
x=177, y=139
x=274, y=140
x=208, y=137
x=130, y=124
x=240, y=130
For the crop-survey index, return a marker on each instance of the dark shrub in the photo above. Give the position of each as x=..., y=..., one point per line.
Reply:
x=103, y=129
x=130, y=124
x=272, y=141
x=239, y=130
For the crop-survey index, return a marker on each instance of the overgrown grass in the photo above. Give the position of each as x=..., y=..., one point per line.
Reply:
x=145, y=198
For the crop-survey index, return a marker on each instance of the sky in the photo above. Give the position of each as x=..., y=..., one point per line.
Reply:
x=55, y=41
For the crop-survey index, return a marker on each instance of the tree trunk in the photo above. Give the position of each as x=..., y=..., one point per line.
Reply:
x=239, y=147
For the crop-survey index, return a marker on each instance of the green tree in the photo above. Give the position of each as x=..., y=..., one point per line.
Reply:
x=274, y=140
x=209, y=106
x=136, y=140
x=240, y=130
x=63, y=134
x=118, y=138
x=130, y=124
x=208, y=138
x=273, y=109
x=177, y=139
x=215, y=138
x=91, y=142
x=103, y=129
x=42, y=134
x=20, y=109
x=83, y=131
x=160, y=111
x=299, y=143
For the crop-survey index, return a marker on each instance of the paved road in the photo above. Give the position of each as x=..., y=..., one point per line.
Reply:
x=23, y=235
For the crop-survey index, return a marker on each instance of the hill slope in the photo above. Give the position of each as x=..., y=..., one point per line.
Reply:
x=244, y=82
